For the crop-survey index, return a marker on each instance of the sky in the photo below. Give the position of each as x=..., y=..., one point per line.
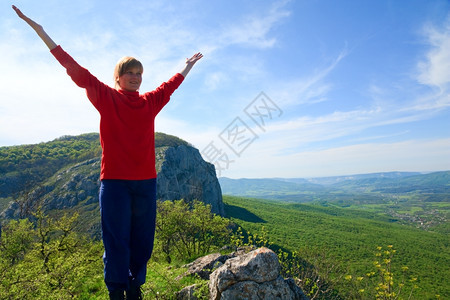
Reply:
x=305, y=88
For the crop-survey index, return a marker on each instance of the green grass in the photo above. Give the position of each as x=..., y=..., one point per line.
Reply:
x=445, y=205
x=161, y=282
x=351, y=236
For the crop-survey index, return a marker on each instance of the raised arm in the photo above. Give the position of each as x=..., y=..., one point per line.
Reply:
x=38, y=28
x=190, y=62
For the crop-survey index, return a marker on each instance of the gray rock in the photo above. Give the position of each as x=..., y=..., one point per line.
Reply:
x=183, y=174
x=298, y=292
x=76, y=184
x=187, y=293
x=255, y=275
x=275, y=289
x=204, y=266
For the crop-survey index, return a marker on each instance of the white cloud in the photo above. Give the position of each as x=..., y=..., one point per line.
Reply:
x=253, y=31
x=309, y=90
x=304, y=130
x=215, y=80
x=412, y=155
x=195, y=134
x=435, y=70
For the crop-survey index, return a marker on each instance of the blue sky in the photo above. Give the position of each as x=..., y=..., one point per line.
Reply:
x=285, y=88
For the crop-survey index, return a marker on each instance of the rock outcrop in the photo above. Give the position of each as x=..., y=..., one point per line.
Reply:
x=203, y=266
x=255, y=275
x=183, y=174
x=242, y=275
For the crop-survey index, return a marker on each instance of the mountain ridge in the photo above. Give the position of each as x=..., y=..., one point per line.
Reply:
x=379, y=181
x=64, y=176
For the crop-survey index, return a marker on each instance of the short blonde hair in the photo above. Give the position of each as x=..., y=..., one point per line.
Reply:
x=123, y=65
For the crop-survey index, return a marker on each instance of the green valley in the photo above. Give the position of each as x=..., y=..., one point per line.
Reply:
x=350, y=237
x=418, y=200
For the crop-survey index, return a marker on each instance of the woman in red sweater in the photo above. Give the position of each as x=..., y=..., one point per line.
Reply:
x=128, y=175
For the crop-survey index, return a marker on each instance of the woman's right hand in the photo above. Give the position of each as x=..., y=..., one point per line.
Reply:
x=38, y=28
x=30, y=22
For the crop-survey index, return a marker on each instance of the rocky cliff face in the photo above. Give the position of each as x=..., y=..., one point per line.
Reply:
x=182, y=174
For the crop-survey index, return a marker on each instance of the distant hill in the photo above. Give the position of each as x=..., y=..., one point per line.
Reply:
x=266, y=187
x=420, y=200
x=390, y=182
x=337, y=179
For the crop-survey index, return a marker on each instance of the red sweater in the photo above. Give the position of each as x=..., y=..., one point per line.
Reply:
x=126, y=121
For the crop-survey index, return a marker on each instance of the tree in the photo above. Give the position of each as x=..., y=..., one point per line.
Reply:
x=186, y=230
x=16, y=241
x=47, y=260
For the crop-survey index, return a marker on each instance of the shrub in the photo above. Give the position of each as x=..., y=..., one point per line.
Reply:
x=382, y=283
x=47, y=260
x=185, y=231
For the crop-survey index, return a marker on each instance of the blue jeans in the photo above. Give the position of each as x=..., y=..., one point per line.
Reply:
x=128, y=214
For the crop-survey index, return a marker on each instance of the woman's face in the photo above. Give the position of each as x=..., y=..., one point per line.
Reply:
x=131, y=80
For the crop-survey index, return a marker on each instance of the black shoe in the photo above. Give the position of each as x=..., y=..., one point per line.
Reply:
x=134, y=293
x=116, y=295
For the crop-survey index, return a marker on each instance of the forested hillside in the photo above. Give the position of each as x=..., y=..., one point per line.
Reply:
x=343, y=242
x=23, y=167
